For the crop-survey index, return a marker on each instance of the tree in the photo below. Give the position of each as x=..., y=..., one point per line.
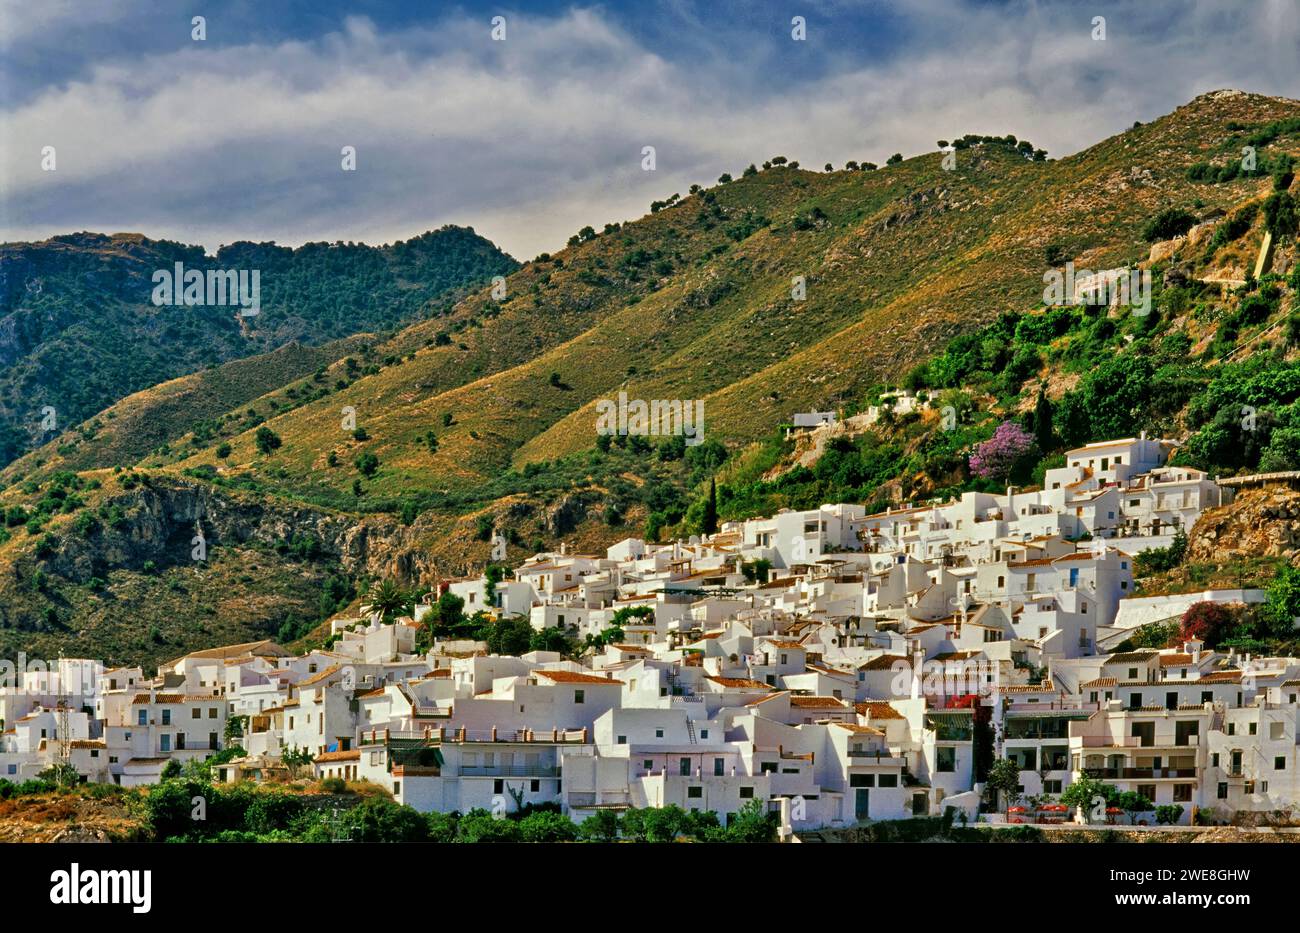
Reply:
x=1086, y=792
x=1280, y=214
x=1168, y=814
x=1283, y=605
x=511, y=636
x=366, y=463
x=752, y=823
x=710, y=519
x=1133, y=803
x=388, y=599
x=1043, y=434
x=997, y=457
x=1206, y=621
x=547, y=826
x=1166, y=225
x=601, y=826
x=1004, y=780
x=478, y=825
x=235, y=729
x=894, y=159
x=295, y=759
x=266, y=440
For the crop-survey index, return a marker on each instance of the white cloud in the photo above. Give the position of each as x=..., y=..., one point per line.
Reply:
x=529, y=139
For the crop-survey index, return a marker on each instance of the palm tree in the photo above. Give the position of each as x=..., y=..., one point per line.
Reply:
x=388, y=599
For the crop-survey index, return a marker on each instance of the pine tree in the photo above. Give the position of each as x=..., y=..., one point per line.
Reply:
x=1043, y=434
x=710, y=521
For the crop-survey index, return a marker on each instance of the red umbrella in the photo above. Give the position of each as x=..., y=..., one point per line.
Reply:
x=1016, y=810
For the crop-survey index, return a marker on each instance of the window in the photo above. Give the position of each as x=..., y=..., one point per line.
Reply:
x=196, y=713
x=1279, y=763
x=164, y=743
x=212, y=712
x=647, y=765
x=397, y=787
x=746, y=793
x=889, y=780
x=704, y=733
x=1132, y=673
x=718, y=765
x=1223, y=790
x=1183, y=793
x=1253, y=727
x=694, y=793
x=1276, y=730
x=945, y=759
x=862, y=780
x=535, y=786
x=620, y=740
x=684, y=766
x=167, y=717
x=659, y=733
x=1051, y=787
x=580, y=696
x=498, y=786
x=1207, y=696
x=142, y=718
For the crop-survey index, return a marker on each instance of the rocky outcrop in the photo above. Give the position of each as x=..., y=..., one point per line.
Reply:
x=1262, y=522
x=161, y=520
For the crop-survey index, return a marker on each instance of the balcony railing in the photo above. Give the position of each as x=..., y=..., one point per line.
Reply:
x=1137, y=774
x=529, y=771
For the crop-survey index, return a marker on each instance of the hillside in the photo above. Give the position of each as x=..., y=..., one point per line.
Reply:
x=694, y=302
x=483, y=417
x=79, y=329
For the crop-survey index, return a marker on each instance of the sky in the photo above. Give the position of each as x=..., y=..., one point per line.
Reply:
x=528, y=138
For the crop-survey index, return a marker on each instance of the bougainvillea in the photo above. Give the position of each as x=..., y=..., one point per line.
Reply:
x=999, y=455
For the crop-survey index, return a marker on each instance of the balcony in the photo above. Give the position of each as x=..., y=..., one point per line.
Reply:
x=526, y=771
x=1157, y=773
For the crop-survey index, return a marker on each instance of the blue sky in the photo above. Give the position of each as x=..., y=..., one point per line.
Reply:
x=529, y=139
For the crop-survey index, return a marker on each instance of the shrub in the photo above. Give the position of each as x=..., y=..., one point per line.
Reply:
x=1168, y=224
x=366, y=463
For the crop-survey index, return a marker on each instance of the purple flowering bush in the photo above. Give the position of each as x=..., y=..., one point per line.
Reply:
x=997, y=457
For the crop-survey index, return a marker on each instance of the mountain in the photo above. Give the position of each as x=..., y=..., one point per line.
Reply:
x=783, y=290
x=79, y=328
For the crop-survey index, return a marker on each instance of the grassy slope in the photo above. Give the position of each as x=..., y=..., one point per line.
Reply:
x=905, y=258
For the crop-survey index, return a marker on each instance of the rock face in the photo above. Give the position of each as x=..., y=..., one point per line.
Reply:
x=1263, y=522
x=162, y=519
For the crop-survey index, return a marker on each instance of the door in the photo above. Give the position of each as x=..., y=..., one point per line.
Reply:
x=861, y=803
x=1171, y=700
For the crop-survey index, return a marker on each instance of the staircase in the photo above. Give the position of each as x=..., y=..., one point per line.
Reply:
x=690, y=731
